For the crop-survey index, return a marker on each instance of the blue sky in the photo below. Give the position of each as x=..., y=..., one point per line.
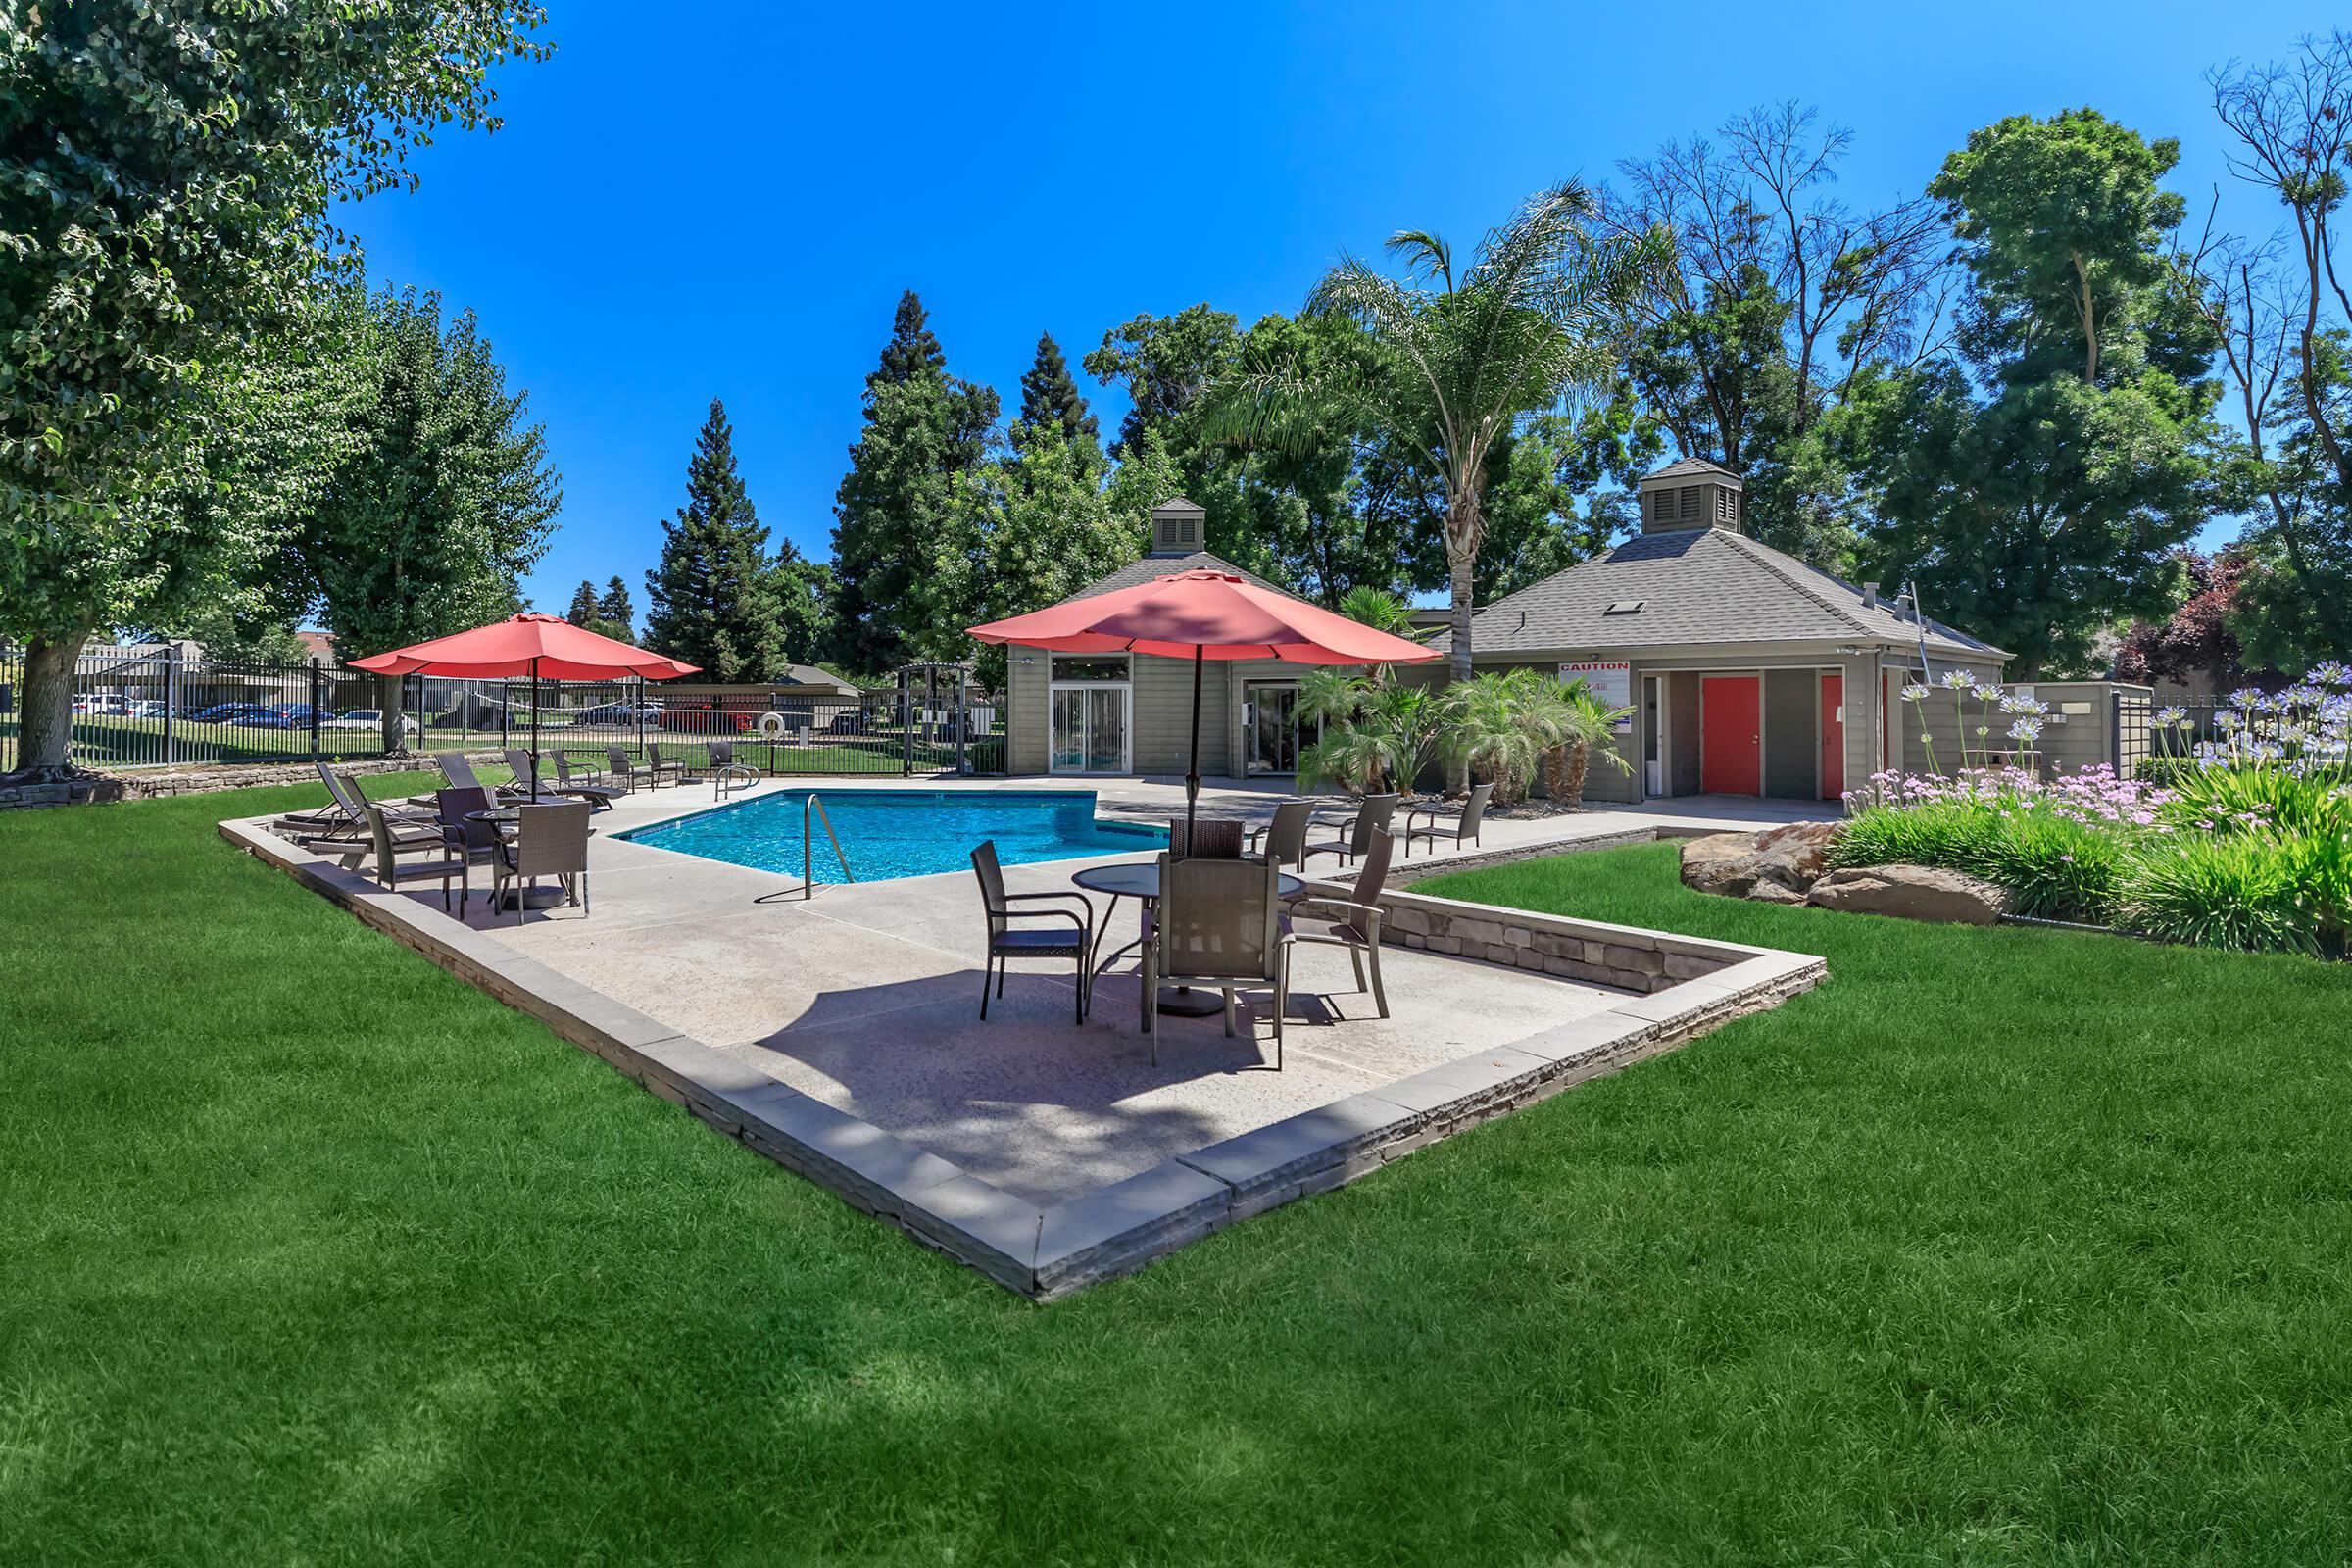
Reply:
x=726, y=199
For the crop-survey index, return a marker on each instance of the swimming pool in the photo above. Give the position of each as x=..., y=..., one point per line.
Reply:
x=894, y=833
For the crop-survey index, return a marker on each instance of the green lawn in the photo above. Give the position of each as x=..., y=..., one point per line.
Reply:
x=2006, y=1246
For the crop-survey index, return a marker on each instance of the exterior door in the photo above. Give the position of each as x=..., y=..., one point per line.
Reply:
x=1832, y=736
x=1089, y=730
x=1653, y=736
x=1270, y=727
x=1730, y=717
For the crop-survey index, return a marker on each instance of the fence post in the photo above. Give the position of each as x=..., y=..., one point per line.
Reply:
x=964, y=723
x=170, y=702
x=317, y=696
x=637, y=712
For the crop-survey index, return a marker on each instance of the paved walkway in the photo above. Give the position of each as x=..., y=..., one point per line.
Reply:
x=866, y=997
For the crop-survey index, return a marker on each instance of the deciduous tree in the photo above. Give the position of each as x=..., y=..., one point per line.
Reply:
x=169, y=171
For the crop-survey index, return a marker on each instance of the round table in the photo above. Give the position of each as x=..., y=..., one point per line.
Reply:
x=1140, y=880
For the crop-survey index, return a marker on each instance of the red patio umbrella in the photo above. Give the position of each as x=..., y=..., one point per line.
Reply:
x=528, y=643
x=1202, y=616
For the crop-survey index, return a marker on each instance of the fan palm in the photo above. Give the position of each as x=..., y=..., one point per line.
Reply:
x=1466, y=357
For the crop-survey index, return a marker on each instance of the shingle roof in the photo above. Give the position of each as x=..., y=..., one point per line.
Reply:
x=1688, y=466
x=1136, y=573
x=1696, y=585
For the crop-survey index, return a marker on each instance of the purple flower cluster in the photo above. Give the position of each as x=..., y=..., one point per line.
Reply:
x=2095, y=797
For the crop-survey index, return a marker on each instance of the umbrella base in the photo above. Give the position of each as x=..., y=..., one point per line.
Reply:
x=539, y=898
x=1182, y=1001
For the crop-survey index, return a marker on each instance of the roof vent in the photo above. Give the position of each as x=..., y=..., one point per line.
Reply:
x=1870, y=595
x=1626, y=606
x=1178, y=527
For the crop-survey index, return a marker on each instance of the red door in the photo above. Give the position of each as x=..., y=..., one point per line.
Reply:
x=1832, y=736
x=1729, y=708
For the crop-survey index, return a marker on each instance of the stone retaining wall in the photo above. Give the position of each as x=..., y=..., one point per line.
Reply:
x=84, y=788
x=1050, y=1252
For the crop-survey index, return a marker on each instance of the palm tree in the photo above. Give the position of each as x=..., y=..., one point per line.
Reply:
x=1586, y=725
x=1468, y=358
x=1373, y=735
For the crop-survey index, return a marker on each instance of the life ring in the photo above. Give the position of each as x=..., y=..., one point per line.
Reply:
x=772, y=726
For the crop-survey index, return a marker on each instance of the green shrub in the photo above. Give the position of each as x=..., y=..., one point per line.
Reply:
x=2164, y=772
x=2234, y=800
x=2059, y=868
x=2250, y=890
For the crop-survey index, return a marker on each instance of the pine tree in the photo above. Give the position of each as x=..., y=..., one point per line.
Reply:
x=617, y=609
x=583, y=610
x=1050, y=397
x=903, y=513
x=711, y=600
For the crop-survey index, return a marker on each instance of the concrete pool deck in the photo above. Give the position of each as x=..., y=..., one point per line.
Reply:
x=840, y=1034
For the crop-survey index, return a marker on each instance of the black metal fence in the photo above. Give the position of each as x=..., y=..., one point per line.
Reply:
x=157, y=707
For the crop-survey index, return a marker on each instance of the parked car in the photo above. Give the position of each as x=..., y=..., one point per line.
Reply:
x=371, y=719
x=624, y=713
x=150, y=708
x=849, y=721
x=228, y=713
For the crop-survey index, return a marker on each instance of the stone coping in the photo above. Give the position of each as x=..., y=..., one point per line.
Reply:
x=1044, y=1253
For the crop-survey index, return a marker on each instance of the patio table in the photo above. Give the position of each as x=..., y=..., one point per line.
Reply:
x=1140, y=880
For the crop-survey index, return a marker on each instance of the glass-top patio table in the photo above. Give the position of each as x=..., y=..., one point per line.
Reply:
x=1140, y=880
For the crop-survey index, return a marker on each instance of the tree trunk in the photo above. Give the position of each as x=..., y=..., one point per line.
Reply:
x=45, y=712
x=1464, y=565
x=388, y=702
x=1580, y=765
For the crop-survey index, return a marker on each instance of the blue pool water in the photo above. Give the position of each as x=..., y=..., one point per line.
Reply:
x=890, y=833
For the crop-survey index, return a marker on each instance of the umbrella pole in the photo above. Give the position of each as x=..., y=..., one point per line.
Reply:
x=1192, y=779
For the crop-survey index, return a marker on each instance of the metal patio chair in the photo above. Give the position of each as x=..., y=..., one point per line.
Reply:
x=1006, y=941
x=1283, y=840
x=1352, y=923
x=1460, y=821
x=457, y=769
x=477, y=842
x=1217, y=926
x=662, y=767
x=1352, y=835
x=625, y=770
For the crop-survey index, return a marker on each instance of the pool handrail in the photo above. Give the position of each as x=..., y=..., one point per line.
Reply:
x=812, y=805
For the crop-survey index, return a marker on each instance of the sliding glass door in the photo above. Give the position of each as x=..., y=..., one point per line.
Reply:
x=1091, y=721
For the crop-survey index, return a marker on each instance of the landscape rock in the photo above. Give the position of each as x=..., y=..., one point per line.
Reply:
x=1767, y=892
x=1720, y=863
x=1915, y=893
x=1737, y=865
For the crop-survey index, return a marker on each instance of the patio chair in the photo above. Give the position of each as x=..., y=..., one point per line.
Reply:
x=1352, y=923
x=457, y=769
x=528, y=773
x=587, y=785
x=1284, y=839
x=1216, y=926
x=722, y=771
x=477, y=842
x=627, y=771
x=549, y=841
x=659, y=766
x=390, y=873
x=1351, y=836
x=1460, y=821
x=1213, y=840
x=1006, y=942
x=344, y=819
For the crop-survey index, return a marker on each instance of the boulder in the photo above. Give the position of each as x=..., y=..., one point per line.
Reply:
x=1915, y=893
x=1721, y=862
x=1767, y=891
x=1737, y=865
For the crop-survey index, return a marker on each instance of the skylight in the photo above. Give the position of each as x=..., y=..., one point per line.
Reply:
x=1624, y=606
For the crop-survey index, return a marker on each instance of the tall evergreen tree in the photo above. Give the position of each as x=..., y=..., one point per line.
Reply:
x=905, y=541
x=1049, y=396
x=617, y=609
x=583, y=606
x=711, y=600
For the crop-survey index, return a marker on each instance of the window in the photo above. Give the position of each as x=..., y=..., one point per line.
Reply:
x=1090, y=667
